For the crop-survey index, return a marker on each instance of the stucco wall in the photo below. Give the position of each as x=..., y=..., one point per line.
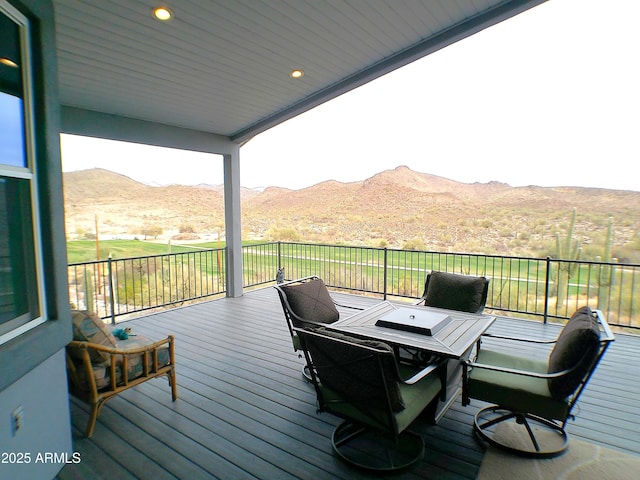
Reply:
x=40, y=448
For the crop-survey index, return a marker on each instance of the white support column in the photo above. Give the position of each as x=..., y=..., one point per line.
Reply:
x=233, y=224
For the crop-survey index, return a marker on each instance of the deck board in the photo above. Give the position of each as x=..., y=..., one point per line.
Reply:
x=244, y=411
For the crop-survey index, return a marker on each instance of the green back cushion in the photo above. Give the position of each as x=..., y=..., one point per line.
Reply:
x=455, y=292
x=578, y=344
x=354, y=373
x=88, y=327
x=311, y=301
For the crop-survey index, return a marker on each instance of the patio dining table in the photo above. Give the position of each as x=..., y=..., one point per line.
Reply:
x=451, y=341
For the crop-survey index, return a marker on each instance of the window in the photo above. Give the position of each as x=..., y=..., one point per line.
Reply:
x=21, y=285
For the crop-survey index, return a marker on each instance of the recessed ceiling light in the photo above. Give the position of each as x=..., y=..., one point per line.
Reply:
x=8, y=63
x=296, y=73
x=163, y=14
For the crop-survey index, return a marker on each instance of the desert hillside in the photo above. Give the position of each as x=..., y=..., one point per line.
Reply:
x=398, y=208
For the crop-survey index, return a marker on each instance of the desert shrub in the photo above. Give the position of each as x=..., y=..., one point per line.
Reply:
x=284, y=234
x=486, y=223
x=414, y=244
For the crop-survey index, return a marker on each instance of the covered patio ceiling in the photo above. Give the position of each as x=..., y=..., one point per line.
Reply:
x=222, y=67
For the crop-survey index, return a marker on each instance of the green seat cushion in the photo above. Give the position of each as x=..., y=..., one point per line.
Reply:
x=463, y=293
x=311, y=301
x=416, y=398
x=512, y=391
x=578, y=345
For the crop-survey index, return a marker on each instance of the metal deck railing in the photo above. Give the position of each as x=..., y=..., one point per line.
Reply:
x=542, y=288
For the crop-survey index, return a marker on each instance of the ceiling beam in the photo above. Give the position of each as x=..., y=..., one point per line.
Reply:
x=79, y=121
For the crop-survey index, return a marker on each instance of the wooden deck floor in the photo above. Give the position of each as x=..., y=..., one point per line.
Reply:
x=244, y=411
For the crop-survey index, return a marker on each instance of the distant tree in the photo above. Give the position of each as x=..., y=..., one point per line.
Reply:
x=151, y=231
x=186, y=228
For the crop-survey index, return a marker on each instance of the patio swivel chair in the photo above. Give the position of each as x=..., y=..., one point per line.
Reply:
x=361, y=382
x=532, y=398
x=464, y=293
x=307, y=302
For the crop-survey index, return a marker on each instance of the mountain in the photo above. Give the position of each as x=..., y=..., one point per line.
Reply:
x=397, y=207
x=124, y=206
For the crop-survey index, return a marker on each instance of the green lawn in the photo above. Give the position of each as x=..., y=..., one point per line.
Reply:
x=79, y=251
x=85, y=250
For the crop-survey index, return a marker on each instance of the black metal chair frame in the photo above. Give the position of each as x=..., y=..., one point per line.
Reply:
x=295, y=320
x=402, y=448
x=492, y=415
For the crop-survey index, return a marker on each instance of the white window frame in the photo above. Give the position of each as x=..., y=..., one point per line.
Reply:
x=27, y=173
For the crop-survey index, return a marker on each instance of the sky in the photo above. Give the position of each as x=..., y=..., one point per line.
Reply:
x=550, y=97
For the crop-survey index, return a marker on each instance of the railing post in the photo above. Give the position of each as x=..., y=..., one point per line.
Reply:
x=384, y=294
x=279, y=254
x=546, y=290
x=112, y=302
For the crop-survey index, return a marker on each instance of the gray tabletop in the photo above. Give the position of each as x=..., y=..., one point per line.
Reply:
x=453, y=340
